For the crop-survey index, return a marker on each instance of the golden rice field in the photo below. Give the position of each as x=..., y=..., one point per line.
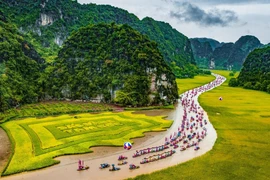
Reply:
x=242, y=150
x=187, y=84
x=37, y=141
x=52, y=108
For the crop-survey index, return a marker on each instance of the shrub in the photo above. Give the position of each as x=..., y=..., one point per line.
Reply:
x=268, y=88
x=201, y=71
x=231, y=74
x=257, y=86
x=233, y=82
x=248, y=85
x=264, y=85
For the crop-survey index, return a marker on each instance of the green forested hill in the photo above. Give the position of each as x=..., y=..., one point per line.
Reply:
x=213, y=43
x=242, y=47
x=176, y=47
x=230, y=56
x=20, y=67
x=221, y=55
x=202, y=51
x=112, y=62
x=47, y=23
x=255, y=73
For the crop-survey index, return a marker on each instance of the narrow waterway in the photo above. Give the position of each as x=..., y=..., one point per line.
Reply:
x=67, y=169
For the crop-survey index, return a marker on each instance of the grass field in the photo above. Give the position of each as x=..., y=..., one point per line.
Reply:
x=52, y=108
x=187, y=84
x=242, y=150
x=49, y=108
x=36, y=141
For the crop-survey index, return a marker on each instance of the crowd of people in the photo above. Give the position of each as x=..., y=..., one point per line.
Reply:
x=150, y=150
x=193, y=128
x=157, y=157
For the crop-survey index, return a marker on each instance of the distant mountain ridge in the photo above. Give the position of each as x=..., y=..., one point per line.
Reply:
x=230, y=56
x=48, y=23
x=213, y=43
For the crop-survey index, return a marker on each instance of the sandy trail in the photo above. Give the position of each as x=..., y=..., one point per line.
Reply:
x=67, y=168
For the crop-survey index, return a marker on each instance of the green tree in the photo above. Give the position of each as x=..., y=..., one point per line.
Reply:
x=248, y=85
x=233, y=82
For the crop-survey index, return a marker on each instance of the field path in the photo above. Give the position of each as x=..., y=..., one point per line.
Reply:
x=67, y=168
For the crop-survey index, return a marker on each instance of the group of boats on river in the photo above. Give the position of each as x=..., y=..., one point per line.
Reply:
x=190, y=133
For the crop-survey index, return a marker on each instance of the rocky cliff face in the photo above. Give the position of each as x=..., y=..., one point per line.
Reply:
x=230, y=56
x=45, y=20
x=221, y=55
x=203, y=52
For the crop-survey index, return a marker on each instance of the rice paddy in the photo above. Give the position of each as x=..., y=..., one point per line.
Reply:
x=187, y=84
x=37, y=141
x=242, y=122
x=52, y=108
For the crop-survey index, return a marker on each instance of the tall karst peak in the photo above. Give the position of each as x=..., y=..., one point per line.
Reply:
x=230, y=56
x=107, y=62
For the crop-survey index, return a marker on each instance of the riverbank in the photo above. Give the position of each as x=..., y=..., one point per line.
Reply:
x=67, y=168
x=5, y=149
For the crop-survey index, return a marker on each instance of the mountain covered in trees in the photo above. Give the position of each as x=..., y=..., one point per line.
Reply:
x=212, y=42
x=202, y=51
x=255, y=73
x=48, y=23
x=20, y=67
x=209, y=53
x=110, y=62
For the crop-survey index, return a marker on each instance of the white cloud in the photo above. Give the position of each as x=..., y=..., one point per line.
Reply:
x=187, y=12
x=252, y=15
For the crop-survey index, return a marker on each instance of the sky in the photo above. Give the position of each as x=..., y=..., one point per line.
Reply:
x=223, y=20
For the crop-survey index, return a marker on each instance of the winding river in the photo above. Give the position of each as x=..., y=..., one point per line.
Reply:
x=67, y=168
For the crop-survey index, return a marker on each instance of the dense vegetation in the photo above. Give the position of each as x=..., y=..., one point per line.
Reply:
x=202, y=52
x=241, y=151
x=20, y=67
x=255, y=73
x=46, y=24
x=176, y=48
x=113, y=58
x=112, y=63
x=212, y=42
x=209, y=53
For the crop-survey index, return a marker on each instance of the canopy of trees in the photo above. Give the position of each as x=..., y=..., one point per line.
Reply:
x=255, y=73
x=107, y=61
x=20, y=67
x=65, y=16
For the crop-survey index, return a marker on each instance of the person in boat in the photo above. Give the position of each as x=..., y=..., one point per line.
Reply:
x=80, y=166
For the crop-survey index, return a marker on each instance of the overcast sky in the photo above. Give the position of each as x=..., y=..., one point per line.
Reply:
x=223, y=20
